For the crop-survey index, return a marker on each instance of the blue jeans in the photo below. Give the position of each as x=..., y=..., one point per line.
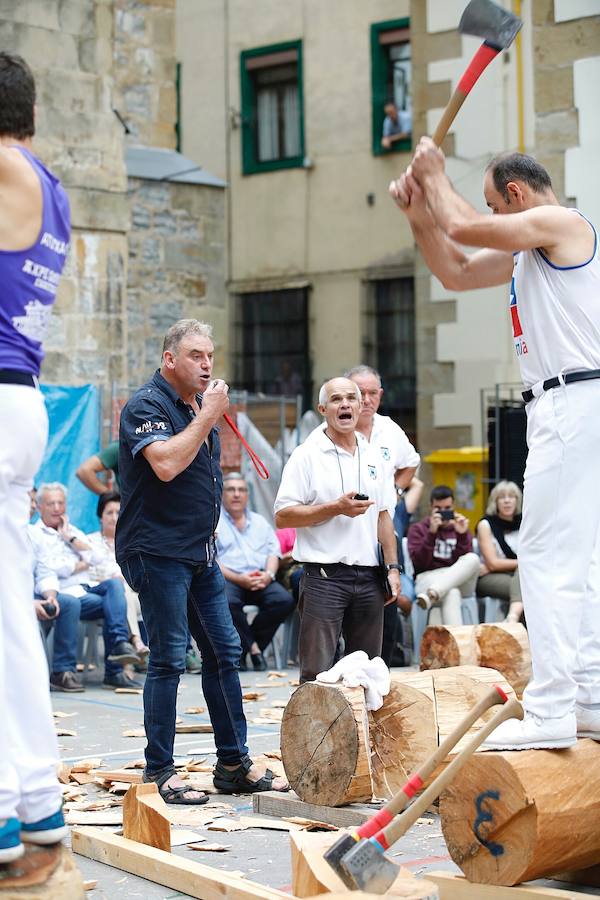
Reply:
x=103, y=601
x=66, y=625
x=173, y=593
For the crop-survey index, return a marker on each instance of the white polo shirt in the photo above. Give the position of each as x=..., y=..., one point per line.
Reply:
x=395, y=451
x=317, y=472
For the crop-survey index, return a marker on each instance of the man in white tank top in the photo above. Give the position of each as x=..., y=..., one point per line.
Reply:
x=549, y=256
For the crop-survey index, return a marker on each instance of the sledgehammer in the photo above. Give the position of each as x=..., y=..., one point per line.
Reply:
x=415, y=782
x=366, y=865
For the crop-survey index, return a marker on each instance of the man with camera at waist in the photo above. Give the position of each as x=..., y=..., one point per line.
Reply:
x=441, y=550
x=333, y=493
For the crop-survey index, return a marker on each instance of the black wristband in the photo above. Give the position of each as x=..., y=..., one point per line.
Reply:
x=73, y=539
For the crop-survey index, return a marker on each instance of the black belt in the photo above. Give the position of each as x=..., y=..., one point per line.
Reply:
x=586, y=375
x=11, y=376
x=334, y=568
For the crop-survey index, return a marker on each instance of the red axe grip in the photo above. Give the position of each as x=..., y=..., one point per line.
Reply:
x=478, y=64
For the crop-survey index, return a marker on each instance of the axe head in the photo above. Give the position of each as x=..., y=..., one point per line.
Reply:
x=493, y=23
x=368, y=869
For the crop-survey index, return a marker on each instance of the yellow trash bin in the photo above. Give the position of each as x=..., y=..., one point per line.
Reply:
x=463, y=469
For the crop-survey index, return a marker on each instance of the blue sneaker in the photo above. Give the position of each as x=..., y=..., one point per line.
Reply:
x=10, y=842
x=50, y=830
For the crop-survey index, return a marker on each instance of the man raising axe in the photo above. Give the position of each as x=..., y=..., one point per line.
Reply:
x=549, y=256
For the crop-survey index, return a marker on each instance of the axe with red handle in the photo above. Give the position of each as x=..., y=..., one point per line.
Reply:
x=498, y=27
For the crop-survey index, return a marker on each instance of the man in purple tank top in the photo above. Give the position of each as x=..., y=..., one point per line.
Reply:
x=34, y=239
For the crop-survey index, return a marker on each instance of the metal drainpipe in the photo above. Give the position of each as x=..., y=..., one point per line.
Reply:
x=520, y=105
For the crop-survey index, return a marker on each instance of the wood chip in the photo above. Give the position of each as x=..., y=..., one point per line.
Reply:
x=263, y=684
x=310, y=824
x=279, y=704
x=128, y=775
x=119, y=787
x=253, y=695
x=189, y=765
x=102, y=817
x=273, y=715
x=82, y=777
x=63, y=772
x=86, y=765
x=211, y=848
x=194, y=729
x=193, y=816
x=271, y=824
x=64, y=732
x=135, y=733
x=181, y=836
x=223, y=824
x=272, y=754
x=129, y=691
x=294, y=682
x=63, y=715
x=90, y=884
x=261, y=720
x=136, y=764
x=274, y=674
x=195, y=710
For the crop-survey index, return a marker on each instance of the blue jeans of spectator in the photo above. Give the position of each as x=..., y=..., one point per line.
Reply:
x=107, y=601
x=391, y=620
x=274, y=606
x=66, y=628
x=172, y=594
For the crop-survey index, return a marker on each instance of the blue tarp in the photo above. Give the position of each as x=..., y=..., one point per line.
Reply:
x=74, y=414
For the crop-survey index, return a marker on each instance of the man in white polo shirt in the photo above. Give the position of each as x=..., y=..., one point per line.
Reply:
x=333, y=493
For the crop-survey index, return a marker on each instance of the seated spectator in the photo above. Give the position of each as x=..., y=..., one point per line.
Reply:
x=290, y=572
x=407, y=504
x=63, y=557
x=397, y=126
x=441, y=550
x=248, y=554
x=498, y=539
x=106, y=462
x=103, y=541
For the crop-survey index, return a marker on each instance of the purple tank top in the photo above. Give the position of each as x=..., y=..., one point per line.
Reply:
x=29, y=279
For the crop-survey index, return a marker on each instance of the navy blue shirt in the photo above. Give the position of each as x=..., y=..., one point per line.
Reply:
x=178, y=518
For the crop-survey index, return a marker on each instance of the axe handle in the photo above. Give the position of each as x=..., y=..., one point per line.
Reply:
x=400, y=825
x=384, y=816
x=481, y=60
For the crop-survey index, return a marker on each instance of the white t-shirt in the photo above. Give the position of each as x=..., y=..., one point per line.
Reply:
x=511, y=538
x=320, y=472
x=395, y=451
x=555, y=314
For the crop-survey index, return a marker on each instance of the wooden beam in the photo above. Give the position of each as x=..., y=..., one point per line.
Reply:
x=456, y=887
x=171, y=871
x=275, y=803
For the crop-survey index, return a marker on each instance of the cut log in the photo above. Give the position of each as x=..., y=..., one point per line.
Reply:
x=403, y=732
x=505, y=647
x=443, y=646
x=325, y=744
x=145, y=817
x=43, y=873
x=312, y=876
x=516, y=816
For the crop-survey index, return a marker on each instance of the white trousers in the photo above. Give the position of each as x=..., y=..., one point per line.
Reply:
x=559, y=548
x=29, y=788
x=452, y=584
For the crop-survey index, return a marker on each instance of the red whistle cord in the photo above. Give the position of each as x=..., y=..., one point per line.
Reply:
x=256, y=460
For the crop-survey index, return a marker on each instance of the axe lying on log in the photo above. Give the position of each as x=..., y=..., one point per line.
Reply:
x=499, y=28
x=366, y=866
x=384, y=816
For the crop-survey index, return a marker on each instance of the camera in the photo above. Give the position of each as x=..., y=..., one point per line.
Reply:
x=446, y=514
x=50, y=609
x=361, y=497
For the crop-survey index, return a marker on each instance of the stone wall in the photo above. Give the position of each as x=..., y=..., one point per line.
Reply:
x=68, y=44
x=176, y=267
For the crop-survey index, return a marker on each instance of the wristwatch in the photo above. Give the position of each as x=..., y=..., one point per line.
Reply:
x=73, y=539
x=272, y=575
x=395, y=566
x=400, y=491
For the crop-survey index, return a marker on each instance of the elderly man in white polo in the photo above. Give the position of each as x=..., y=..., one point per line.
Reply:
x=333, y=493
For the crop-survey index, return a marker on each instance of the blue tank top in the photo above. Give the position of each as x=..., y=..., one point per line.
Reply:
x=29, y=279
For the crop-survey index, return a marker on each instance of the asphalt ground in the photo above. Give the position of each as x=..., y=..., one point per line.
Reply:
x=101, y=717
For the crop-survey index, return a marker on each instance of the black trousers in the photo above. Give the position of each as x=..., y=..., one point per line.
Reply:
x=336, y=599
x=274, y=604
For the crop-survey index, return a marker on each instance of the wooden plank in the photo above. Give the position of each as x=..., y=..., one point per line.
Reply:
x=456, y=887
x=175, y=872
x=275, y=803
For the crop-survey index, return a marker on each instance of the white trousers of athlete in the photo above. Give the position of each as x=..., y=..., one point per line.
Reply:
x=559, y=548
x=452, y=584
x=29, y=788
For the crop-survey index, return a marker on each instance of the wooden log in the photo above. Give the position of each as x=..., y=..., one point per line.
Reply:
x=403, y=732
x=175, y=872
x=145, y=817
x=443, y=646
x=325, y=744
x=43, y=873
x=505, y=647
x=515, y=816
x=312, y=875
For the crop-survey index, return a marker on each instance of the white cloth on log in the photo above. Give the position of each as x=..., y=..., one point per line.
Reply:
x=356, y=670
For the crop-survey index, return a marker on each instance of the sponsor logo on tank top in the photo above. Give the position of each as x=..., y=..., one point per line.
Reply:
x=48, y=240
x=45, y=279
x=35, y=321
x=520, y=345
